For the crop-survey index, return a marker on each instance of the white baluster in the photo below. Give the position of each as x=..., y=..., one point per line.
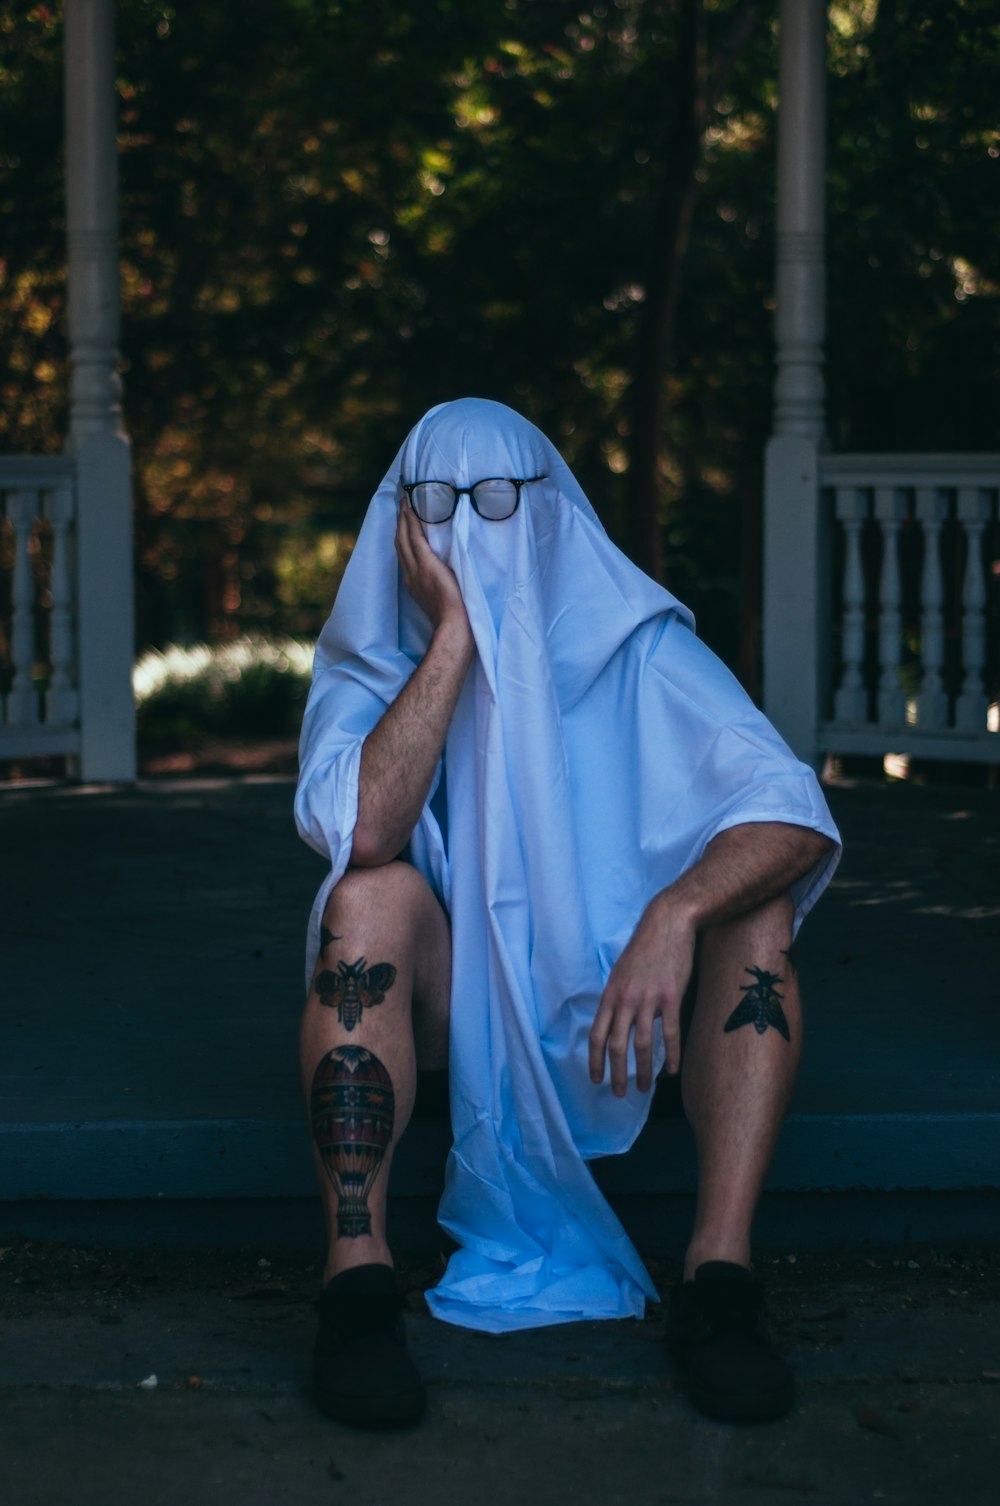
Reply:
x=890, y=509
x=851, y=702
x=932, y=702
x=971, y=705
x=22, y=701
x=62, y=701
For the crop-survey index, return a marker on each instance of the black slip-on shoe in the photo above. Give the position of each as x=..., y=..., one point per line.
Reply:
x=362, y=1372
x=716, y=1332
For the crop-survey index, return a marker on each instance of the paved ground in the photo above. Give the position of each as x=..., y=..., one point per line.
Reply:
x=898, y=1358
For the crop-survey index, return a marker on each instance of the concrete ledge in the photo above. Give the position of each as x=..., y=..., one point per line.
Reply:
x=659, y=1225
x=248, y=1158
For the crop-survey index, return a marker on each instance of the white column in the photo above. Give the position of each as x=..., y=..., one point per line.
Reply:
x=796, y=647
x=97, y=440
x=800, y=321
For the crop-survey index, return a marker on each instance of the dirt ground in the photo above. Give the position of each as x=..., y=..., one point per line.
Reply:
x=809, y=1294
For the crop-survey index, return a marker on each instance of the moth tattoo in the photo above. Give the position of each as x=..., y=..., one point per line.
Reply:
x=762, y=1005
x=354, y=987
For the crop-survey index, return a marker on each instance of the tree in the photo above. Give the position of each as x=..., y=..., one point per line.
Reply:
x=334, y=215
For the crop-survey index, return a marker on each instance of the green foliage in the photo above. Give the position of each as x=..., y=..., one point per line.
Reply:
x=33, y=376
x=914, y=346
x=336, y=214
x=184, y=696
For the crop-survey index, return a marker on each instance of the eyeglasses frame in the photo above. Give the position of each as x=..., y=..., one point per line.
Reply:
x=467, y=491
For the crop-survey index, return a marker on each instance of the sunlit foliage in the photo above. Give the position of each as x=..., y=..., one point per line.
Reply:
x=335, y=214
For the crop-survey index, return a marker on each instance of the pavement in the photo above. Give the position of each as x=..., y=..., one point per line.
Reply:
x=131, y=1376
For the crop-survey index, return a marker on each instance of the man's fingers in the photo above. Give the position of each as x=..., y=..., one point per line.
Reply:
x=598, y=1041
x=609, y=1038
x=418, y=538
x=672, y=1043
x=643, y=1054
x=404, y=548
x=618, y=1057
x=420, y=559
x=611, y=1031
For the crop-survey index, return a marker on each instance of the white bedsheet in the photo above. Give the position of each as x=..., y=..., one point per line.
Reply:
x=596, y=748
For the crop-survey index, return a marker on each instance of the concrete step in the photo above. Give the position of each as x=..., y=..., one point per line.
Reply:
x=253, y=1158
x=151, y=982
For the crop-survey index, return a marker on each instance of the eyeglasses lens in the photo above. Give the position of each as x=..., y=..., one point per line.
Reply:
x=433, y=501
x=495, y=499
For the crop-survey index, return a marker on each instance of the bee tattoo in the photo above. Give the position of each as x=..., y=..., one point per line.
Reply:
x=762, y=1005
x=354, y=987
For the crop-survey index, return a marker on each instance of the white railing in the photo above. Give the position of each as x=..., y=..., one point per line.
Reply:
x=915, y=640
x=39, y=698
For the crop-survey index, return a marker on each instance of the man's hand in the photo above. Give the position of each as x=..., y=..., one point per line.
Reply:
x=428, y=580
x=647, y=984
x=742, y=867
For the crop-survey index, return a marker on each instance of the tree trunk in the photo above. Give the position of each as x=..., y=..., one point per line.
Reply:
x=695, y=87
x=670, y=231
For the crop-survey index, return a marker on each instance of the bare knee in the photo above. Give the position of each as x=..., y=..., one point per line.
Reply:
x=389, y=915
x=775, y=918
x=767, y=926
x=393, y=892
x=761, y=937
x=742, y=956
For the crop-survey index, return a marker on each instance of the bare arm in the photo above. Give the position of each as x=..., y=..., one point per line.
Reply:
x=401, y=753
x=740, y=869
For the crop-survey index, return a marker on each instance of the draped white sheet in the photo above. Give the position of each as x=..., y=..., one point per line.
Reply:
x=596, y=748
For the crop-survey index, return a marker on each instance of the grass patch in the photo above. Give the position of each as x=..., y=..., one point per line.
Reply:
x=251, y=687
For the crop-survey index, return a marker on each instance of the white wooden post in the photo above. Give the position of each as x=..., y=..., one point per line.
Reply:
x=795, y=647
x=97, y=440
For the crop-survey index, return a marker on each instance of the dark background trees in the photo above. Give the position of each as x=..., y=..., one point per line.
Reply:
x=336, y=214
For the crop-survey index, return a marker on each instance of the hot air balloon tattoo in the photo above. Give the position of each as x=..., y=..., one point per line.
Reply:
x=353, y=1108
x=762, y=1005
x=353, y=989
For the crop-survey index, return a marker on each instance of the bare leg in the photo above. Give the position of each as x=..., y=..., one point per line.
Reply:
x=379, y=997
x=739, y=1069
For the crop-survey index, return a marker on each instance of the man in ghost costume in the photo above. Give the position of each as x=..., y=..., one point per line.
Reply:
x=552, y=818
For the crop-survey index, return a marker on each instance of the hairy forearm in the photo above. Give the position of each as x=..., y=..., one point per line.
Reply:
x=742, y=868
x=401, y=753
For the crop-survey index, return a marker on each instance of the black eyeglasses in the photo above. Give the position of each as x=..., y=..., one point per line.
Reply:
x=495, y=498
